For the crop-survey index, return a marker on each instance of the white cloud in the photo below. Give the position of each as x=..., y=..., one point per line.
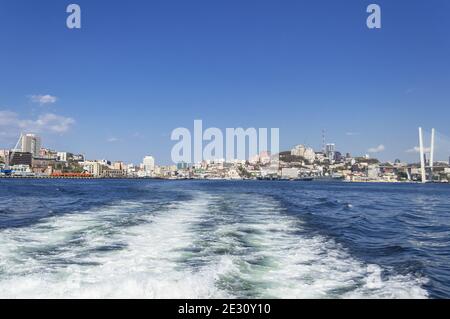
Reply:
x=44, y=99
x=113, y=139
x=352, y=133
x=377, y=149
x=416, y=149
x=48, y=122
x=54, y=123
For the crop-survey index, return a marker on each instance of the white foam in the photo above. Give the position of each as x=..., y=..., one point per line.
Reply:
x=146, y=268
x=61, y=256
x=304, y=267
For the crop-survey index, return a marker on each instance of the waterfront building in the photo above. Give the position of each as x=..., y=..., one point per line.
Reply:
x=31, y=143
x=40, y=165
x=21, y=170
x=289, y=173
x=269, y=172
x=118, y=166
x=373, y=172
x=93, y=168
x=20, y=158
x=149, y=164
x=113, y=173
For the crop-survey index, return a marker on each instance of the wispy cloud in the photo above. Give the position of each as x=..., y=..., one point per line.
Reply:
x=43, y=99
x=54, y=123
x=113, y=140
x=352, y=133
x=48, y=122
x=416, y=149
x=377, y=149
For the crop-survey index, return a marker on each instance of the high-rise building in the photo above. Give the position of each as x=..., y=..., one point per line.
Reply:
x=330, y=149
x=149, y=164
x=31, y=143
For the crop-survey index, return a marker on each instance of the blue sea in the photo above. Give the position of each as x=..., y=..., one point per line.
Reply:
x=223, y=239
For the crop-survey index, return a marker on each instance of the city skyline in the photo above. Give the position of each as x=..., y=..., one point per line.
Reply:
x=302, y=163
x=119, y=86
x=32, y=143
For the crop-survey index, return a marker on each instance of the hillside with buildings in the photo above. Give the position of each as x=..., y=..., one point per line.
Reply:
x=30, y=159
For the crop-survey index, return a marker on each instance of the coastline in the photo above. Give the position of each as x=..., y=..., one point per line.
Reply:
x=210, y=179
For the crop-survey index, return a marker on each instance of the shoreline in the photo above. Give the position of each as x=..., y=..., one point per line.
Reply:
x=210, y=179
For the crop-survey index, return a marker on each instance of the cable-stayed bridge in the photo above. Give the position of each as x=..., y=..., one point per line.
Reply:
x=432, y=154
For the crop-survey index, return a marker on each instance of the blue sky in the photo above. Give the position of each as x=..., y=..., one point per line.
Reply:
x=139, y=69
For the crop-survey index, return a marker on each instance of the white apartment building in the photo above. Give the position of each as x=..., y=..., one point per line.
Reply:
x=31, y=143
x=149, y=164
x=330, y=151
x=93, y=168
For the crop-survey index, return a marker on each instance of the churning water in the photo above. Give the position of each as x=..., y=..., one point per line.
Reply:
x=212, y=239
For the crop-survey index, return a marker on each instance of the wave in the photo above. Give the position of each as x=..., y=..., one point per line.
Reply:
x=273, y=257
x=212, y=246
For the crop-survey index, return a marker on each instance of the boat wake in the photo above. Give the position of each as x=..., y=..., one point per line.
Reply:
x=211, y=246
